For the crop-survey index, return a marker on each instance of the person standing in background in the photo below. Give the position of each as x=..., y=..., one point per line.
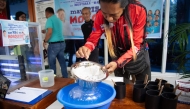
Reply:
x=54, y=36
x=21, y=16
x=29, y=50
x=86, y=30
x=20, y=49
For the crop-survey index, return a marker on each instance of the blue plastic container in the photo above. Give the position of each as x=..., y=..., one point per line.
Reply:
x=108, y=94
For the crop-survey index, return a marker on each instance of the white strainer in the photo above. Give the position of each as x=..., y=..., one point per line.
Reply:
x=89, y=71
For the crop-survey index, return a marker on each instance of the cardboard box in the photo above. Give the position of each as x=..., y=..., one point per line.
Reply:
x=184, y=86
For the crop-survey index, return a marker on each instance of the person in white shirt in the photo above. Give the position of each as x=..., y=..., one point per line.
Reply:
x=67, y=28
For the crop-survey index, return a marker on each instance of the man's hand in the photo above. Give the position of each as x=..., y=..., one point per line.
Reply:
x=44, y=31
x=111, y=66
x=83, y=52
x=44, y=45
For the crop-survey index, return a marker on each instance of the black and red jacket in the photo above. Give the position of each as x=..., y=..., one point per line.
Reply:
x=137, y=14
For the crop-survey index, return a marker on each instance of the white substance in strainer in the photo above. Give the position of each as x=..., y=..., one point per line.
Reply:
x=89, y=73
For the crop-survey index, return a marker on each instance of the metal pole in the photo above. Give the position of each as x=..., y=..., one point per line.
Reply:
x=105, y=52
x=40, y=45
x=165, y=37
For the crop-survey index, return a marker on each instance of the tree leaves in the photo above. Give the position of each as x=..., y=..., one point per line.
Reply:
x=178, y=36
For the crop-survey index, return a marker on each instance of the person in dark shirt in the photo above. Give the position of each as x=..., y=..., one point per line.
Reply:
x=86, y=30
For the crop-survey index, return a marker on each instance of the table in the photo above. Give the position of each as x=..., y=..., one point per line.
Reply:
x=128, y=103
x=42, y=104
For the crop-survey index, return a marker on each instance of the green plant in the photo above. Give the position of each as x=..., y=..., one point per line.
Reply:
x=178, y=39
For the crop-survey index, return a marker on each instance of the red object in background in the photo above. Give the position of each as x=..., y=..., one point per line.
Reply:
x=1, y=39
x=3, y=15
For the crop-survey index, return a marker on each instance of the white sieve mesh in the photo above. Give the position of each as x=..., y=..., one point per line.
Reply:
x=88, y=71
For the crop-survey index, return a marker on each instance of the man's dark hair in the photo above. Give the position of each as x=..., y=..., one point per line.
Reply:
x=18, y=14
x=49, y=10
x=123, y=4
x=86, y=8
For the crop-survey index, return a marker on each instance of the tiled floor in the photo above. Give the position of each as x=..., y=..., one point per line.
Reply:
x=170, y=77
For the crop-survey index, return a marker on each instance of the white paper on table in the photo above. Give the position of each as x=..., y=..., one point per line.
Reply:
x=25, y=94
x=115, y=79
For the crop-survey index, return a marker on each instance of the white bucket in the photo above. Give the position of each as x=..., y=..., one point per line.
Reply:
x=46, y=78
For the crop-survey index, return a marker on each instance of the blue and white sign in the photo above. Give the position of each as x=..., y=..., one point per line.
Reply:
x=154, y=17
x=14, y=32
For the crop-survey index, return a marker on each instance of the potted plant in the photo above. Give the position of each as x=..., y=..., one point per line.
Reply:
x=178, y=40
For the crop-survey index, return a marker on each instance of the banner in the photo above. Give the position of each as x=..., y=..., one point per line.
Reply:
x=14, y=32
x=71, y=10
x=154, y=17
x=72, y=17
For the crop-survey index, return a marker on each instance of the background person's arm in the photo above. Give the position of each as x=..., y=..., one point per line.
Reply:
x=49, y=26
x=47, y=37
x=43, y=31
x=48, y=34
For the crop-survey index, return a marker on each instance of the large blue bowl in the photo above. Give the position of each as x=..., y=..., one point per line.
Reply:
x=108, y=94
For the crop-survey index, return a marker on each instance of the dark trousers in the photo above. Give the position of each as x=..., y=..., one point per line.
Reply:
x=121, y=73
x=2, y=51
x=57, y=51
x=94, y=55
x=78, y=44
x=70, y=49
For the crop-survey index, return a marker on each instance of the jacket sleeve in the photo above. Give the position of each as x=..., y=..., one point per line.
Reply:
x=96, y=32
x=82, y=30
x=138, y=17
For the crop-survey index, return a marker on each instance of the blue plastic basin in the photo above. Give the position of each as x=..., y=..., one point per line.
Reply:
x=108, y=94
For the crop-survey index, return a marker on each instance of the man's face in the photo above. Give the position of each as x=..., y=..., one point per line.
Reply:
x=46, y=14
x=61, y=15
x=148, y=24
x=155, y=23
x=157, y=12
x=156, y=18
x=22, y=17
x=86, y=14
x=149, y=12
x=149, y=18
x=2, y=4
x=111, y=11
